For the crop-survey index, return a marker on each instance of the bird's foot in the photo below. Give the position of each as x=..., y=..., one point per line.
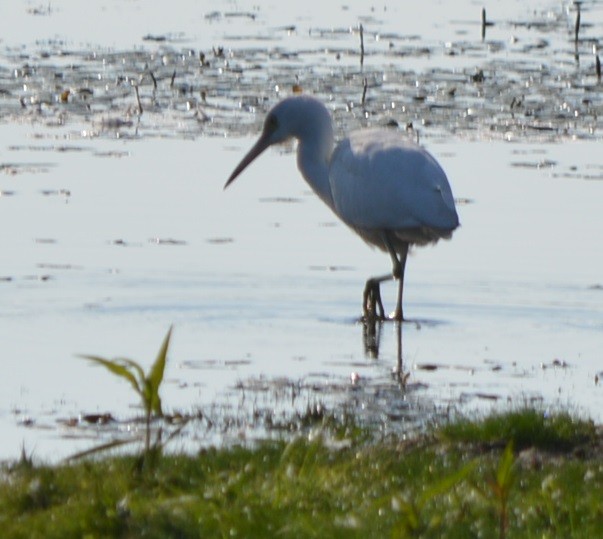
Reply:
x=372, y=304
x=397, y=315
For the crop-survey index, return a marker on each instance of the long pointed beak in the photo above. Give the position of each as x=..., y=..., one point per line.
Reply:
x=262, y=143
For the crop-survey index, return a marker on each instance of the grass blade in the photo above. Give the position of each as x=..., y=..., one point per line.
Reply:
x=117, y=369
x=156, y=374
x=136, y=367
x=446, y=484
x=100, y=448
x=504, y=473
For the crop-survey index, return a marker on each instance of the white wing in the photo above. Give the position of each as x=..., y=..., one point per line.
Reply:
x=381, y=181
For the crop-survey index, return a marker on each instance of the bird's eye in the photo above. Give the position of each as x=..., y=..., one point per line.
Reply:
x=271, y=123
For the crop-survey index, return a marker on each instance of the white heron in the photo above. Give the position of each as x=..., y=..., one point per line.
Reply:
x=390, y=191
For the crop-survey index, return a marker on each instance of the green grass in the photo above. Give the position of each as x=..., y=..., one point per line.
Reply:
x=527, y=427
x=445, y=484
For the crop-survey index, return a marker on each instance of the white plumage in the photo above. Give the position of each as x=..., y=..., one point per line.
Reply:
x=392, y=192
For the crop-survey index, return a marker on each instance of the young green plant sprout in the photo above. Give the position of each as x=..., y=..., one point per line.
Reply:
x=501, y=487
x=147, y=386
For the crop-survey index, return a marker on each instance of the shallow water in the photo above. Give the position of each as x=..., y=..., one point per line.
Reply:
x=115, y=225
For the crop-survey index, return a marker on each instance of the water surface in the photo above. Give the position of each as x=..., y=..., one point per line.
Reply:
x=115, y=225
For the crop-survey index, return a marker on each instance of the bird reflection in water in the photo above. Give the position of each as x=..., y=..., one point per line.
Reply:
x=371, y=337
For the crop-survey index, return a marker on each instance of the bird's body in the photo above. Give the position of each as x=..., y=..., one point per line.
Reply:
x=380, y=181
x=391, y=192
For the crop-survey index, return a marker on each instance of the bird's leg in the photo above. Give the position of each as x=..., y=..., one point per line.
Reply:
x=372, y=293
x=371, y=302
x=398, y=313
x=399, y=265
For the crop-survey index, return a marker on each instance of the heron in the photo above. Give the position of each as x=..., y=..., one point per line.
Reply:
x=387, y=189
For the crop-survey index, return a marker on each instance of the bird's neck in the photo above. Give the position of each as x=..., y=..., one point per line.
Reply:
x=313, y=159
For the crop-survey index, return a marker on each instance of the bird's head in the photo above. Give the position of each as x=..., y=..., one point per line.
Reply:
x=301, y=117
